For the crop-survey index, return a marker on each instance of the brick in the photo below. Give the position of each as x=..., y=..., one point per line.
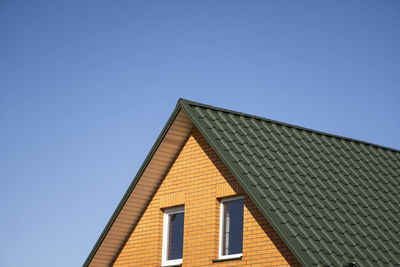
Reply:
x=197, y=179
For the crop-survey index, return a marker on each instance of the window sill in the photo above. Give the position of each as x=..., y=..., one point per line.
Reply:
x=227, y=259
x=173, y=265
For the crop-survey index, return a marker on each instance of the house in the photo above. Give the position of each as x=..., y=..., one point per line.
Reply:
x=223, y=188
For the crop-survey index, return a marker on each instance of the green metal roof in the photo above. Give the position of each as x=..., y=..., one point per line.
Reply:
x=332, y=200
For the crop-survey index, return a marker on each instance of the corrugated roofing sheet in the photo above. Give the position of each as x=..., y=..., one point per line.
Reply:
x=333, y=200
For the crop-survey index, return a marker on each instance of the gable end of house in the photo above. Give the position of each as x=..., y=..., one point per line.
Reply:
x=330, y=199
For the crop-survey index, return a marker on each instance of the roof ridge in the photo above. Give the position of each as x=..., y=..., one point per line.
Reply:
x=189, y=102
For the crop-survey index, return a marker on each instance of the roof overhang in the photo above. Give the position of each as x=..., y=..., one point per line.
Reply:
x=140, y=191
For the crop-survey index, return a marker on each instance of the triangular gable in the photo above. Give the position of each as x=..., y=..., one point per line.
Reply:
x=331, y=199
x=197, y=180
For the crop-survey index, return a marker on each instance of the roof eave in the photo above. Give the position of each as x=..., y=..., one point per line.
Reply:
x=133, y=184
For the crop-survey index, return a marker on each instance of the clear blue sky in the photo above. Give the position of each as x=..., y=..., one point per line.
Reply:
x=86, y=87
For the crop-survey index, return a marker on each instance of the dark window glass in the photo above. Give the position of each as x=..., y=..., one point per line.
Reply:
x=175, y=239
x=232, y=234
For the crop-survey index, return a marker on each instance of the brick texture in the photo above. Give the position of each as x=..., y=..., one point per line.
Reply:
x=197, y=179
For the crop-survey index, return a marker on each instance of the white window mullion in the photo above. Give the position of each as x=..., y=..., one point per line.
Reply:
x=226, y=232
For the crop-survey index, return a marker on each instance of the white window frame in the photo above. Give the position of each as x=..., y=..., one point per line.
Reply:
x=221, y=223
x=164, y=258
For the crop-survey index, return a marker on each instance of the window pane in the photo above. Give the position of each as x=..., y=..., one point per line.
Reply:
x=175, y=239
x=232, y=227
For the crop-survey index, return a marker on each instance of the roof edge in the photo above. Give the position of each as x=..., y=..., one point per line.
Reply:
x=189, y=102
x=132, y=185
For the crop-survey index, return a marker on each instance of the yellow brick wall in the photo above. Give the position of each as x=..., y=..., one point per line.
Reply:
x=196, y=179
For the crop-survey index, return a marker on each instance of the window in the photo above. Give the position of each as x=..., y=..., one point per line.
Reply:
x=231, y=228
x=172, y=236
